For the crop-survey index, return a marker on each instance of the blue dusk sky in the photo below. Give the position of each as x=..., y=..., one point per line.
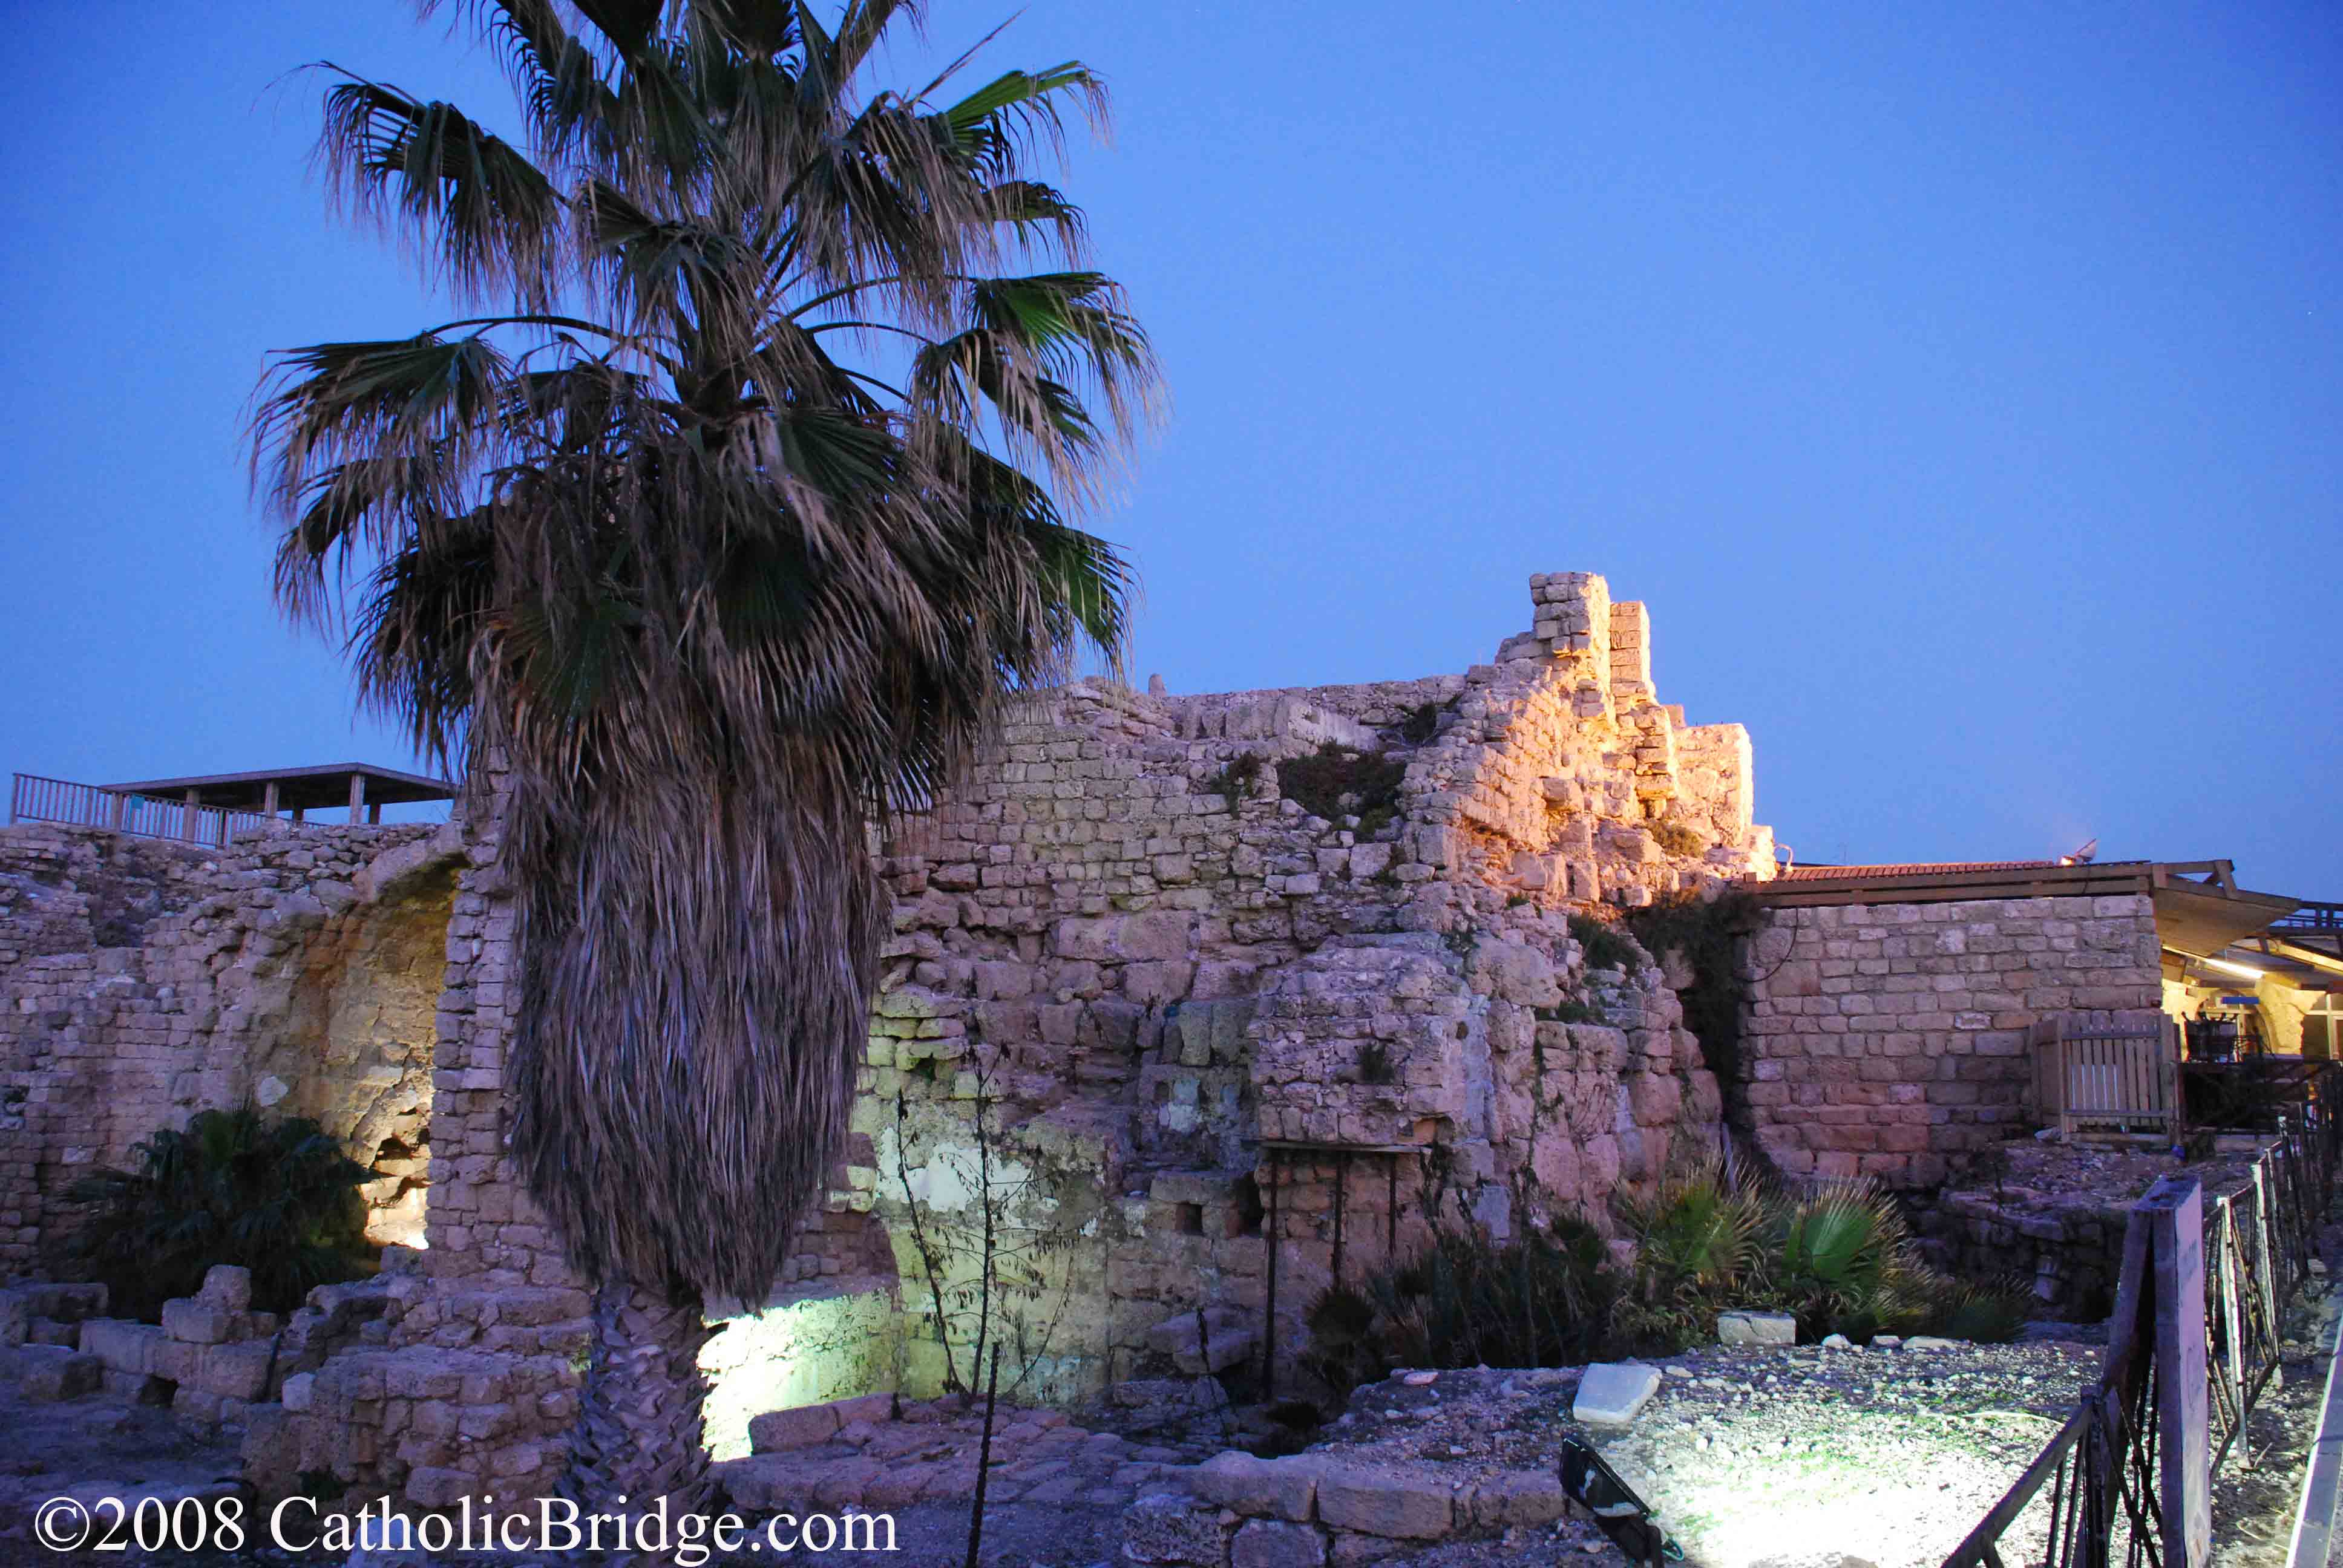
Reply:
x=1958, y=385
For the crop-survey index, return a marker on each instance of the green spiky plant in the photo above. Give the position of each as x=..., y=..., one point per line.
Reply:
x=1699, y=1241
x=707, y=542
x=278, y=1198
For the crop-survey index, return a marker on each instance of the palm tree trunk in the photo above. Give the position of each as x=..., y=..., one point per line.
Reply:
x=639, y=1424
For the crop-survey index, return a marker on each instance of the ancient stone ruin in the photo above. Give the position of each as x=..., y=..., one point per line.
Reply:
x=1193, y=1006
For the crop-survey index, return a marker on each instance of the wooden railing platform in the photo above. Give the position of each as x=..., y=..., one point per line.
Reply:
x=32, y=799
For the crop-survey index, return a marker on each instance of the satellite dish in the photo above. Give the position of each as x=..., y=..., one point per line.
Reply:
x=2081, y=857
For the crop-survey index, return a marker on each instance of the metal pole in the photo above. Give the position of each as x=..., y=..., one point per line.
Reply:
x=1341, y=1180
x=1390, y=1207
x=1269, y=1330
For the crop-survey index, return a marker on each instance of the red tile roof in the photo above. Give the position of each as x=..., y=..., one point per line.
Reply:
x=1915, y=869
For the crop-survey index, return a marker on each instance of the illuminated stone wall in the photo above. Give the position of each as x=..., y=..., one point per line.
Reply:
x=1125, y=968
x=1889, y=1040
x=145, y=980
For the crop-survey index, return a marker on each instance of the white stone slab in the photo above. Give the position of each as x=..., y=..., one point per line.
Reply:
x=1613, y=1393
x=1757, y=1329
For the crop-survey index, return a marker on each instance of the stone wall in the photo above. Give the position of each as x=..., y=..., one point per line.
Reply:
x=145, y=980
x=1166, y=1027
x=1890, y=1040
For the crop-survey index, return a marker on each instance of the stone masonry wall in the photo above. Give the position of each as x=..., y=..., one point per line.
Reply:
x=1889, y=1040
x=1157, y=1017
x=145, y=980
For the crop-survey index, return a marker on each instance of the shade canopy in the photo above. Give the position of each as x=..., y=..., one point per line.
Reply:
x=298, y=788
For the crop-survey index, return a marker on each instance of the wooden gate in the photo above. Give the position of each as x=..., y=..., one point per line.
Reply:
x=2108, y=1072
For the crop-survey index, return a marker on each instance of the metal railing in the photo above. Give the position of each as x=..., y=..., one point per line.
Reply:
x=2311, y=917
x=2108, y=1485
x=32, y=799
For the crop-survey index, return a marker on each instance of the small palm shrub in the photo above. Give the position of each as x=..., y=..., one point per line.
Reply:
x=1699, y=1241
x=278, y=1198
x=1837, y=1257
x=1542, y=1299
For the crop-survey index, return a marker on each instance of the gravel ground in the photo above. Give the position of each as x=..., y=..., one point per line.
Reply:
x=1753, y=1458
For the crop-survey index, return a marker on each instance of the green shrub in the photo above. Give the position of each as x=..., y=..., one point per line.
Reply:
x=1544, y=1299
x=1838, y=1258
x=280, y=1199
x=1321, y=782
x=1677, y=838
x=1707, y=934
x=1606, y=948
x=1234, y=780
x=1988, y=1313
x=1421, y=725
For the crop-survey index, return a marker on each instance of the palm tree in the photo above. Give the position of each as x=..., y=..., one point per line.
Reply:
x=708, y=544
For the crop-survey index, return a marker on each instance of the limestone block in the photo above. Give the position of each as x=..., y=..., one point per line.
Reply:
x=131, y=1387
x=1276, y=1544
x=299, y=1389
x=236, y=1371
x=1388, y=1499
x=1517, y=1497
x=193, y=1320
x=801, y=1428
x=50, y=1332
x=123, y=1345
x=1170, y=1527
x=1613, y=1394
x=53, y=1373
x=172, y=1359
x=228, y=1288
x=1757, y=1329
x=1256, y=1487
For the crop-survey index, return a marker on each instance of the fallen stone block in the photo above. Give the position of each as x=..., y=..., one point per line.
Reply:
x=761, y=1482
x=133, y=1388
x=1757, y=1329
x=194, y=1407
x=193, y=1320
x=801, y=1428
x=1931, y=1342
x=53, y=1373
x=871, y=1407
x=1387, y=1500
x=172, y=1359
x=1613, y=1394
x=237, y=1370
x=1175, y=1528
x=123, y=1345
x=1517, y=1497
x=1277, y=1543
x=227, y=1287
x=1256, y=1487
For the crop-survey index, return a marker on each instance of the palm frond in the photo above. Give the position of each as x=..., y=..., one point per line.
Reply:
x=482, y=216
x=699, y=600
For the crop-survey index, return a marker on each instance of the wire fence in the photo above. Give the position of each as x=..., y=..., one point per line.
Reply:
x=2105, y=1490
